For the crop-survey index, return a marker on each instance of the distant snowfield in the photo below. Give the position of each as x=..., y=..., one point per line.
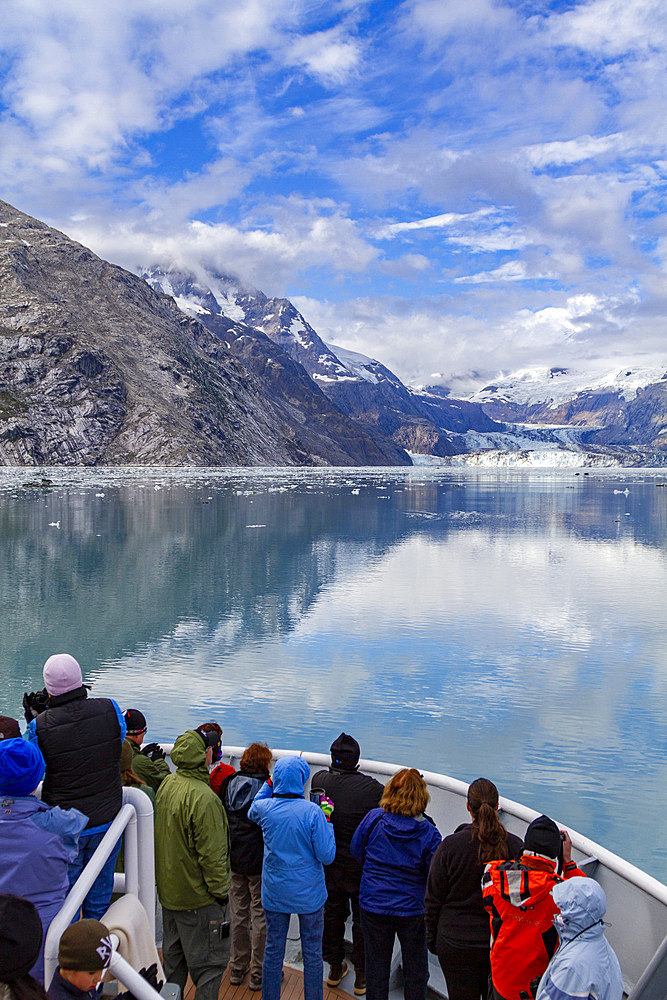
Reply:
x=557, y=385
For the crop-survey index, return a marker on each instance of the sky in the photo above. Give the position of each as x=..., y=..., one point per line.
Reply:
x=459, y=188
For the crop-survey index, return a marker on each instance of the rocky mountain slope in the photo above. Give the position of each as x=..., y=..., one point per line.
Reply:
x=98, y=368
x=359, y=387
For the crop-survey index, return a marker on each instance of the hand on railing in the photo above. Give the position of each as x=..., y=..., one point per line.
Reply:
x=150, y=975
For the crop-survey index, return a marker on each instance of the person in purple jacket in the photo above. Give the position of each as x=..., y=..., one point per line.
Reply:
x=394, y=844
x=37, y=842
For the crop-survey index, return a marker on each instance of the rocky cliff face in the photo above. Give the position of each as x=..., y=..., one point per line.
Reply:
x=98, y=368
x=364, y=393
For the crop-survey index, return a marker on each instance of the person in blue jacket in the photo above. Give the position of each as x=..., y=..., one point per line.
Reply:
x=394, y=844
x=37, y=843
x=298, y=841
x=585, y=966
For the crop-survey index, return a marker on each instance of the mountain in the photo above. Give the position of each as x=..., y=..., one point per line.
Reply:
x=285, y=380
x=98, y=368
x=623, y=408
x=360, y=388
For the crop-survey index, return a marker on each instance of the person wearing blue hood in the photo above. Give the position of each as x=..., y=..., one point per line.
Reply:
x=585, y=966
x=298, y=841
x=37, y=842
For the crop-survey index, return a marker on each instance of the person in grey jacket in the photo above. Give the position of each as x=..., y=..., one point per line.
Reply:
x=585, y=966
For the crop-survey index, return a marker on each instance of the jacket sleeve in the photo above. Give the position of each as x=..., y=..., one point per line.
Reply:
x=265, y=792
x=211, y=840
x=437, y=886
x=432, y=844
x=565, y=983
x=31, y=732
x=360, y=837
x=65, y=823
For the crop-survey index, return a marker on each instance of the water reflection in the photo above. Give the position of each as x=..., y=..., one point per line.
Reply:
x=477, y=624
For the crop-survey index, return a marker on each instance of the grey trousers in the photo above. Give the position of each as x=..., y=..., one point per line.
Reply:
x=193, y=942
x=248, y=924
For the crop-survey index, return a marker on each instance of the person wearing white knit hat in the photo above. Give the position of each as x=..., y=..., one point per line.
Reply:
x=81, y=739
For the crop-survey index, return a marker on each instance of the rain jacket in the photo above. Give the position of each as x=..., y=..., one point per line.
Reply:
x=298, y=841
x=395, y=852
x=585, y=966
x=191, y=834
x=37, y=843
x=517, y=895
x=151, y=772
x=238, y=792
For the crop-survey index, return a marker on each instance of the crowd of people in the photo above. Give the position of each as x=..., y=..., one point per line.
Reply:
x=237, y=852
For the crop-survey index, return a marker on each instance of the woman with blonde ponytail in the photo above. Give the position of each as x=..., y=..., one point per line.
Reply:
x=457, y=925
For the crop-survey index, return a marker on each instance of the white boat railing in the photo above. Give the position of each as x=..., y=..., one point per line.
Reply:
x=135, y=820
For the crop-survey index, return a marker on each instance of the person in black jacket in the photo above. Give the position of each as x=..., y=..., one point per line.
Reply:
x=353, y=795
x=81, y=740
x=457, y=925
x=246, y=855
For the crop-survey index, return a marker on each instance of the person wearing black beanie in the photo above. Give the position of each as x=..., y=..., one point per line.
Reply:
x=20, y=944
x=517, y=895
x=353, y=794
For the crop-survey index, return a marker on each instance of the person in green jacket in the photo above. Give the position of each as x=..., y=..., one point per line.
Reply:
x=192, y=870
x=149, y=764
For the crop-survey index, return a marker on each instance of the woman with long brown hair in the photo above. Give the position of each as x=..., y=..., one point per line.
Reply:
x=394, y=844
x=457, y=925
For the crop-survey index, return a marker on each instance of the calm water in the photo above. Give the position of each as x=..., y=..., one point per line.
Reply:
x=506, y=624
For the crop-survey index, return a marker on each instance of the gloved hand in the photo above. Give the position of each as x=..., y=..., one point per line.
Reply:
x=327, y=807
x=35, y=703
x=153, y=751
x=150, y=975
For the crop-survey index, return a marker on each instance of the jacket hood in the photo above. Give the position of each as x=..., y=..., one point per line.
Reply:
x=403, y=827
x=189, y=753
x=582, y=904
x=290, y=776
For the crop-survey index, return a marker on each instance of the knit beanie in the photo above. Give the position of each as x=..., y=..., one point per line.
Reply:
x=345, y=752
x=62, y=674
x=135, y=721
x=85, y=947
x=20, y=937
x=21, y=767
x=543, y=838
x=9, y=728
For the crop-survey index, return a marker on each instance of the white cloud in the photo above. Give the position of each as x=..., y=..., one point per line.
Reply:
x=328, y=55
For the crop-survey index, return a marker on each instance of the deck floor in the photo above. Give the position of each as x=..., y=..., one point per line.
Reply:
x=292, y=989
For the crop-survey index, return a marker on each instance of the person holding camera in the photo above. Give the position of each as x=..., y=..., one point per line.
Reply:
x=517, y=895
x=192, y=868
x=148, y=763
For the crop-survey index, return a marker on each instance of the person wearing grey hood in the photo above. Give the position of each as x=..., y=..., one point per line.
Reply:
x=585, y=966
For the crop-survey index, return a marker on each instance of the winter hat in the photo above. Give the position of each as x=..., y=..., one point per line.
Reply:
x=9, y=728
x=345, y=752
x=20, y=937
x=62, y=674
x=85, y=947
x=135, y=721
x=21, y=767
x=543, y=838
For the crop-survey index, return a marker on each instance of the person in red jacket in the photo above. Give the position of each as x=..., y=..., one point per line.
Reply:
x=517, y=895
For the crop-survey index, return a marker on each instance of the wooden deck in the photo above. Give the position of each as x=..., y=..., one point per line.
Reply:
x=292, y=989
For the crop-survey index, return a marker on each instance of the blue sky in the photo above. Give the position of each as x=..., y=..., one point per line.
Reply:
x=457, y=187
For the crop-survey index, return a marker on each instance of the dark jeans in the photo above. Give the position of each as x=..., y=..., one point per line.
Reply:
x=466, y=971
x=193, y=943
x=310, y=930
x=98, y=900
x=379, y=931
x=336, y=912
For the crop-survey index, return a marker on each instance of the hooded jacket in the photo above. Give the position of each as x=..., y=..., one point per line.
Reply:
x=237, y=795
x=395, y=852
x=37, y=843
x=298, y=841
x=517, y=895
x=191, y=833
x=585, y=966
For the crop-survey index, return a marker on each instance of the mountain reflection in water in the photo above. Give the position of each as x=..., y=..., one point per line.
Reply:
x=509, y=624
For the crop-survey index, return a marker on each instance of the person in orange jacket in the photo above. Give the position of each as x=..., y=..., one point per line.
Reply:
x=517, y=895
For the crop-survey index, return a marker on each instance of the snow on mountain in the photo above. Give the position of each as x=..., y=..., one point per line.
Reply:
x=553, y=386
